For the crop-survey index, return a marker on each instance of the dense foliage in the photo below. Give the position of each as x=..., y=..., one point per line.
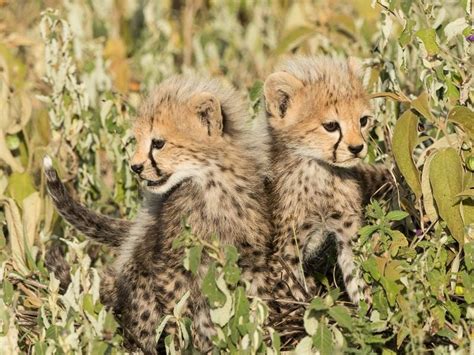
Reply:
x=71, y=77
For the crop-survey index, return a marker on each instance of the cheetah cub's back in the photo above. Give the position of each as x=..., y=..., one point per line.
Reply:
x=319, y=118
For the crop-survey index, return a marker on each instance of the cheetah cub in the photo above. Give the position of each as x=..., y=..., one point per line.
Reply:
x=319, y=118
x=200, y=159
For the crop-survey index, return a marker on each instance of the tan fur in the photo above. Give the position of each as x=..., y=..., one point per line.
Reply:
x=207, y=168
x=319, y=185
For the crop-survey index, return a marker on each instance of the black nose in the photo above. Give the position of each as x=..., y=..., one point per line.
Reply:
x=137, y=168
x=356, y=149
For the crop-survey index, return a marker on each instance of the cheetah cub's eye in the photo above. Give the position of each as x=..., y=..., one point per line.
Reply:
x=331, y=126
x=157, y=143
x=364, y=120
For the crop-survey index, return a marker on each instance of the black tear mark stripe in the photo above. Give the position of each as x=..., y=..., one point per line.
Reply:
x=337, y=143
x=153, y=162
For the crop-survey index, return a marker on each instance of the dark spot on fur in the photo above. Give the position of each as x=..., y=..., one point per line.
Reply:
x=144, y=334
x=145, y=315
x=336, y=215
x=347, y=224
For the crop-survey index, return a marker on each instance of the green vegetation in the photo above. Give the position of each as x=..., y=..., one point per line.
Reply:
x=71, y=80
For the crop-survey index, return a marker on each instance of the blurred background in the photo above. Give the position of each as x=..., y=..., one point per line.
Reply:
x=73, y=72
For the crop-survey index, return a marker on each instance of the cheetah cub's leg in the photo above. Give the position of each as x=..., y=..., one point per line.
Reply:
x=375, y=180
x=356, y=287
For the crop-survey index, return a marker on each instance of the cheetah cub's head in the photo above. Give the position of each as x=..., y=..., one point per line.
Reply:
x=178, y=129
x=320, y=109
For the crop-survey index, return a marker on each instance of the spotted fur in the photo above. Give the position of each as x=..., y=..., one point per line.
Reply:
x=201, y=159
x=317, y=108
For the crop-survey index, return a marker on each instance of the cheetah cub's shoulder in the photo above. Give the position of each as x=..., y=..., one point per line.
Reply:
x=319, y=117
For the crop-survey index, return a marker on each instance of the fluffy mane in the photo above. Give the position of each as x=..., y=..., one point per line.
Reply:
x=341, y=77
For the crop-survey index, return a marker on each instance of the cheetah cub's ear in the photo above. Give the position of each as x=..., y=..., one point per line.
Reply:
x=279, y=90
x=356, y=66
x=208, y=109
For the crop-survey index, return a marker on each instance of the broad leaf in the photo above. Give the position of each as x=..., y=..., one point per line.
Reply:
x=405, y=138
x=445, y=190
x=463, y=116
x=428, y=37
x=322, y=340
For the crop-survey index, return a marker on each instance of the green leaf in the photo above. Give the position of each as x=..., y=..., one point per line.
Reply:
x=52, y=332
x=453, y=309
x=367, y=231
x=242, y=309
x=396, y=215
x=391, y=289
x=7, y=292
x=193, y=258
x=40, y=348
x=342, y=316
x=468, y=283
x=428, y=37
x=407, y=33
x=322, y=340
x=463, y=116
x=318, y=304
x=469, y=256
x=256, y=91
x=370, y=265
x=445, y=190
x=210, y=289
x=88, y=304
x=20, y=186
x=405, y=137
x=231, y=274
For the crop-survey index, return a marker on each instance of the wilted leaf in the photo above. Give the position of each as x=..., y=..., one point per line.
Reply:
x=455, y=28
x=305, y=346
x=421, y=104
x=398, y=241
x=445, y=190
x=181, y=305
x=405, y=138
x=463, y=116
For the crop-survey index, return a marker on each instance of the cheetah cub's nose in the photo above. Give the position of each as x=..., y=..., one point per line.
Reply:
x=356, y=149
x=137, y=168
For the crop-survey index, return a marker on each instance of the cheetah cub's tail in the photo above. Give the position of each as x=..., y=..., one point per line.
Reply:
x=100, y=228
